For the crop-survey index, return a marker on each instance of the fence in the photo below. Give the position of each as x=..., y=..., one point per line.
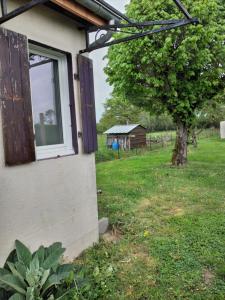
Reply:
x=159, y=141
x=154, y=141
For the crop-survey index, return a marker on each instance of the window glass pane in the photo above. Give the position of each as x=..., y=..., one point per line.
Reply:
x=46, y=103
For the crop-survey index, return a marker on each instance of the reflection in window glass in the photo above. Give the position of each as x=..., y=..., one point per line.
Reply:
x=46, y=100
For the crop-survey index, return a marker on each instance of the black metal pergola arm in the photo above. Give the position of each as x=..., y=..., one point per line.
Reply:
x=143, y=27
x=140, y=25
x=182, y=9
x=18, y=11
x=171, y=25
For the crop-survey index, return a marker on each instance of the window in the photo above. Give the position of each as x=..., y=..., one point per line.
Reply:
x=50, y=102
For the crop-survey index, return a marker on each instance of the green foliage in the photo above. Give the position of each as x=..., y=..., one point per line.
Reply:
x=154, y=123
x=171, y=223
x=37, y=276
x=118, y=111
x=175, y=71
x=210, y=116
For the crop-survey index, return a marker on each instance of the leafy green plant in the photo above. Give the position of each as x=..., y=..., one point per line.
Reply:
x=37, y=276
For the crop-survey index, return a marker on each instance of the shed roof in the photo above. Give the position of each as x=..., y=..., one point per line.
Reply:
x=120, y=129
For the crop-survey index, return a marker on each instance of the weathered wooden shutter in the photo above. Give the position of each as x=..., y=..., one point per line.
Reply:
x=72, y=102
x=87, y=104
x=15, y=98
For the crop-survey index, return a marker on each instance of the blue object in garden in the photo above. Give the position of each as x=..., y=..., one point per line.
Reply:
x=115, y=145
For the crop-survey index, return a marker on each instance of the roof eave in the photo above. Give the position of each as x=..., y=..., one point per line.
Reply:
x=102, y=9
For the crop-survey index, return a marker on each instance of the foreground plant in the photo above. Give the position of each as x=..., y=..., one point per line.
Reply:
x=37, y=276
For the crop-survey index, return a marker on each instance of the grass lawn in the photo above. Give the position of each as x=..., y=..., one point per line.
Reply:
x=168, y=237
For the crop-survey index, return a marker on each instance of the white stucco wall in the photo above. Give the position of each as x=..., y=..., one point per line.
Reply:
x=50, y=200
x=222, y=130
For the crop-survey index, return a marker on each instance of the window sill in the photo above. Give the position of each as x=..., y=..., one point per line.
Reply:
x=53, y=154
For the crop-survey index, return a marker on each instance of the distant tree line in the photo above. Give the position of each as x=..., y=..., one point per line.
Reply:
x=119, y=111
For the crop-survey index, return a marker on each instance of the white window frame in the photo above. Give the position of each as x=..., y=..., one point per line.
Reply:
x=52, y=151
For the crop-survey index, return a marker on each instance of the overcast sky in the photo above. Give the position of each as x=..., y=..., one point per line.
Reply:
x=102, y=89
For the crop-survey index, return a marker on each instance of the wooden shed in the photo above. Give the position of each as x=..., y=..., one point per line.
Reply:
x=129, y=136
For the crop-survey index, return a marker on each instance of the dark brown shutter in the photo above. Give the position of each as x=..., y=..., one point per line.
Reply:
x=72, y=103
x=87, y=104
x=15, y=98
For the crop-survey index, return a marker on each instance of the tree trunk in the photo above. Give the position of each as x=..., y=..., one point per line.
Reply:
x=180, y=151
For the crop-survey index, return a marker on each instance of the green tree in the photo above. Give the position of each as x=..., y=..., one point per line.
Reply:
x=153, y=122
x=118, y=111
x=211, y=115
x=174, y=71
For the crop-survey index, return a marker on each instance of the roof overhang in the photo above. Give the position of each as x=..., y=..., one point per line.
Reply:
x=87, y=12
x=102, y=9
x=81, y=11
x=95, y=12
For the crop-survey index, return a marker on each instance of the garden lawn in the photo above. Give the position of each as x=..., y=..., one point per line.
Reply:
x=168, y=240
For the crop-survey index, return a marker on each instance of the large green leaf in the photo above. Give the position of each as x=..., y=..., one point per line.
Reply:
x=40, y=253
x=66, y=268
x=53, y=280
x=54, y=253
x=2, y=285
x=21, y=268
x=12, y=282
x=63, y=273
x=53, y=247
x=23, y=253
x=16, y=273
x=4, y=272
x=17, y=297
x=34, y=264
x=62, y=297
x=44, y=277
x=30, y=294
x=12, y=257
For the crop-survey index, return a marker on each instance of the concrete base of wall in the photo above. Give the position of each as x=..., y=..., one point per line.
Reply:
x=103, y=225
x=87, y=241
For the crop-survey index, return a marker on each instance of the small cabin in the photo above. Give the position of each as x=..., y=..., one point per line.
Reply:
x=129, y=137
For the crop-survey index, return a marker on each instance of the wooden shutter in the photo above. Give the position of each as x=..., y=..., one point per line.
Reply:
x=87, y=104
x=72, y=103
x=15, y=98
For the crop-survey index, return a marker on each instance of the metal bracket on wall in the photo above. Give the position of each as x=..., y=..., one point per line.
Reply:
x=6, y=16
x=103, y=34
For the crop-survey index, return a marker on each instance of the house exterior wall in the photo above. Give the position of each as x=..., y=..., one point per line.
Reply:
x=49, y=200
